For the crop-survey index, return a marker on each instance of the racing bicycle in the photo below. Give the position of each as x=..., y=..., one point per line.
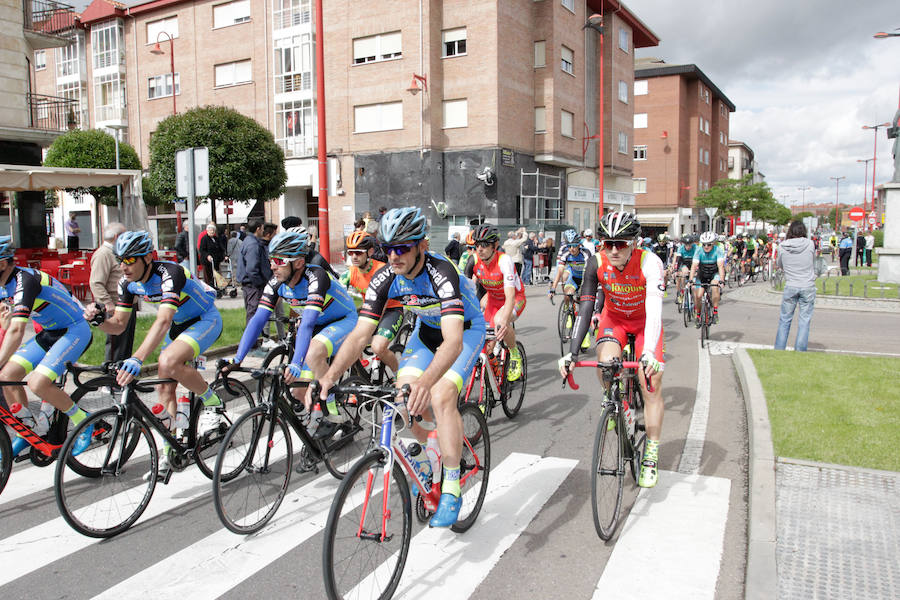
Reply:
x=489, y=385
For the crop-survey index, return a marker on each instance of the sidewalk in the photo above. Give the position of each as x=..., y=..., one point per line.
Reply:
x=762, y=293
x=815, y=530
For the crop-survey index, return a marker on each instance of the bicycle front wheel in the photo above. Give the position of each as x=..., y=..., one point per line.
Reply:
x=252, y=470
x=474, y=466
x=368, y=532
x=688, y=309
x=515, y=390
x=211, y=431
x=704, y=323
x=5, y=458
x=608, y=468
x=122, y=480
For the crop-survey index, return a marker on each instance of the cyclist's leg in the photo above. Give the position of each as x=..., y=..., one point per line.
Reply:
x=325, y=343
x=715, y=293
x=698, y=296
x=13, y=371
x=187, y=345
x=611, y=341
x=387, y=330
x=653, y=410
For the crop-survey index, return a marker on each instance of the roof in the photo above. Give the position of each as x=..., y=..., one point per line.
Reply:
x=642, y=36
x=101, y=10
x=645, y=69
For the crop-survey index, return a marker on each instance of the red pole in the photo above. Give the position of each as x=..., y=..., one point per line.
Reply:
x=602, y=140
x=324, y=246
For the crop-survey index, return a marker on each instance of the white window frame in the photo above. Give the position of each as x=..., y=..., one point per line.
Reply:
x=293, y=63
x=454, y=39
x=568, y=66
x=295, y=129
x=623, y=33
x=540, y=119
x=540, y=53
x=154, y=28
x=640, y=121
x=108, y=44
x=458, y=109
x=236, y=67
x=383, y=45
x=623, y=91
x=640, y=152
x=163, y=82
x=623, y=143
x=639, y=185
x=563, y=116
x=40, y=60
x=114, y=109
x=641, y=87
x=382, y=113
x=569, y=5
x=232, y=13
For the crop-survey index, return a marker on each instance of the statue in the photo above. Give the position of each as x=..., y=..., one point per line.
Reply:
x=893, y=132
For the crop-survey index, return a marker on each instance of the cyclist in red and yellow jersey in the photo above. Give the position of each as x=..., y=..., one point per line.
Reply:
x=501, y=291
x=360, y=248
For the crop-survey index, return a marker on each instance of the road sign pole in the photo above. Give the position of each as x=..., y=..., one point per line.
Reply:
x=192, y=233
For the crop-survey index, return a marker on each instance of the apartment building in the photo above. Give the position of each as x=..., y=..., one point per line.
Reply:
x=742, y=162
x=681, y=124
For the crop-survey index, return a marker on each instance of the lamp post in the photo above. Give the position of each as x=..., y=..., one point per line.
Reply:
x=866, y=184
x=159, y=51
x=874, y=156
x=803, y=189
x=837, y=191
x=595, y=22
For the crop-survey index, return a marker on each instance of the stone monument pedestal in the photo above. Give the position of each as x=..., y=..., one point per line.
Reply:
x=889, y=255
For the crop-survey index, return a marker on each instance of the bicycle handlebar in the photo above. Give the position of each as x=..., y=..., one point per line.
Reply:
x=612, y=364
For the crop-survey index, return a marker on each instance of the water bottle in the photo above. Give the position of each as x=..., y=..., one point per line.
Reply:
x=44, y=418
x=629, y=417
x=421, y=459
x=159, y=411
x=314, y=419
x=22, y=413
x=433, y=450
x=183, y=417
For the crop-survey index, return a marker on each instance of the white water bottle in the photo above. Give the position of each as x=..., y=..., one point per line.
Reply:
x=420, y=457
x=433, y=450
x=315, y=418
x=629, y=417
x=22, y=413
x=159, y=411
x=183, y=416
x=43, y=419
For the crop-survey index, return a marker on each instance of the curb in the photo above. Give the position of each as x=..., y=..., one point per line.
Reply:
x=761, y=580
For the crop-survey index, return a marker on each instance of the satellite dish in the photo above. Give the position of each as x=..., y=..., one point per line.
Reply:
x=440, y=208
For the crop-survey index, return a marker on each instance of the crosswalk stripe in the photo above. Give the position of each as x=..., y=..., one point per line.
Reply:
x=677, y=530
x=517, y=489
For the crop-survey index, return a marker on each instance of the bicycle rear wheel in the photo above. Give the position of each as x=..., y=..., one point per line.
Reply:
x=252, y=470
x=474, y=466
x=704, y=322
x=110, y=500
x=212, y=434
x=608, y=468
x=356, y=561
x=5, y=458
x=351, y=439
x=514, y=394
x=688, y=308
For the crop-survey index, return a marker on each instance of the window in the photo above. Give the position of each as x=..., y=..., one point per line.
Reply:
x=640, y=88
x=454, y=42
x=383, y=46
x=567, y=123
x=540, y=119
x=108, y=44
x=378, y=117
x=70, y=58
x=540, y=54
x=576, y=218
x=706, y=127
x=233, y=73
x=294, y=128
x=623, y=39
x=456, y=113
x=730, y=162
x=155, y=28
x=40, y=60
x=623, y=91
x=567, y=60
x=723, y=110
x=231, y=13
x=706, y=156
x=570, y=4
x=288, y=13
x=640, y=153
x=722, y=137
x=640, y=120
x=293, y=63
x=639, y=185
x=623, y=142
x=109, y=97
x=77, y=91
x=161, y=86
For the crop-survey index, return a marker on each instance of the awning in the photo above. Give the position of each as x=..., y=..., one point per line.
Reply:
x=20, y=178
x=655, y=219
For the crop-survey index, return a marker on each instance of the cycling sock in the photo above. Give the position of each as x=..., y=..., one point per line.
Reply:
x=331, y=404
x=210, y=398
x=450, y=481
x=514, y=353
x=75, y=414
x=651, y=451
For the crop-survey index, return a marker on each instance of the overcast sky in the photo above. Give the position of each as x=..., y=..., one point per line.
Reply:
x=804, y=75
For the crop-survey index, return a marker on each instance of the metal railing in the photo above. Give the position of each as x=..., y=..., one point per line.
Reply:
x=51, y=113
x=48, y=17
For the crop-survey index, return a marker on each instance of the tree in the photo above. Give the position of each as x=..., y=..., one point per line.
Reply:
x=245, y=163
x=91, y=149
x=731, y=196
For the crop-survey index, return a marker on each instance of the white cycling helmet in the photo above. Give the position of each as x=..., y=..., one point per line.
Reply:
x=707, y=237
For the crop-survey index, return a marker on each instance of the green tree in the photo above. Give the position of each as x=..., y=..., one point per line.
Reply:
x=245, y=163
x=731, y=196
x=91, y=149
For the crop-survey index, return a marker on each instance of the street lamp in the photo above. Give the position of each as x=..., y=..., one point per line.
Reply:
x=837, y=191
x=866, y=184
x=117, y=129
x=883, y=34
x=874, y=156
x=803, y=189
x=159, y=51
x=595, y=22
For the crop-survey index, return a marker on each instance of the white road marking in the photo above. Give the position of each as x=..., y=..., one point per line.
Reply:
x=676, y=529
x=693, y=443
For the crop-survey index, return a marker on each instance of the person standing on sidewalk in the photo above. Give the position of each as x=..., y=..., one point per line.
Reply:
x=454, y=249
x=253, y=270
x=845, y=250
x=104, y=281
x=513, y=247
x=528, y=250
x=796, y=256
x=870, y=247
x=72, y=231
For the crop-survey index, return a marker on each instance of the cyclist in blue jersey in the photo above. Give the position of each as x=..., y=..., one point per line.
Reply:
x=328, y=312
x=708, y=266
x=64, y=338
x=441, y=351
x=569, y=264
x=684, y=255
x=187, y=323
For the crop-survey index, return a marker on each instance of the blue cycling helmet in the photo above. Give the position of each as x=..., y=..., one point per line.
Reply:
x=400, y=225
x=133, y=243
x=6, y=248
x=570, y=236
x=292, y=243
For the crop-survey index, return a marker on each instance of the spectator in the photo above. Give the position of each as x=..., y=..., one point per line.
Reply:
x=513, y=247
x=72, y=231
x=104, y=281
x=845, y=249
x=233, y=249
x=796, y=256
x=313, y=233
x=528, y=250
x=253, y=270
x=454, y=249
x=242, y=233
x=588, y=242
x=870, y=247
x=182, y=246
x=211, y=254
x=860, y=250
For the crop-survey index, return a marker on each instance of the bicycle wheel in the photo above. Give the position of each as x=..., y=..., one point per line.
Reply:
x=110, y=501
x=561, y=319
x=90, y=400
x=704, y=322
x=357, y=561
x=688, y=310
x=568, y=326
x=679, y=302
x=608, y=469
x=276, y=357
x=352, y=438
x=514, y=394
x=636, y=401
x=209, y=435
x=5, y=457
x=252, y=470
x=474, y=466
x=730, y=278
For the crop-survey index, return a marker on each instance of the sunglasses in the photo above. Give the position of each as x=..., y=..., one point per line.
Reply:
x=708, y=245
x=128, y=261
x=617, y=244
x=484, y=244
x=356, y=252
x=280, y=262
x=398, y=249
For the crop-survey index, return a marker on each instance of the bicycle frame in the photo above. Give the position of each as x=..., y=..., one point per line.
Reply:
x=482, y=368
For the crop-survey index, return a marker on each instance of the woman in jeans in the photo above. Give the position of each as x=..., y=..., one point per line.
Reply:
x=796, y=256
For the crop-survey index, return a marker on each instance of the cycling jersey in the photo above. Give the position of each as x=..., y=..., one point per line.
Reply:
x=738, y=248
x=357, y=280
x=573, y=263
x=708, y=263
x=493, y=278
x=170, y=286
x=750, y=244
x=684, y=254
x=662, y=251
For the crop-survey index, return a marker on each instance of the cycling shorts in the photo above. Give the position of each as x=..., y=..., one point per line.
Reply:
x=423, y=343
x=199, y=333
x=331, y=335
x=51, y=349
x=572, y=279
x=390, y=322
x=615, y=329
x=700, y=279
x=492, y=306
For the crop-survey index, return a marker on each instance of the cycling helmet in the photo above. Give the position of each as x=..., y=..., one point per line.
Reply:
x=619, y=225
x=570, y=236
x=400, y=225
x=688, y=239
x=588, y=232
x=292, y=243
x=486, y=233
x=133, y=243
x=707, y=237
x=470, y=238
x=360, y=240
x=6, y=248
x=647, y=241
x=661, y=237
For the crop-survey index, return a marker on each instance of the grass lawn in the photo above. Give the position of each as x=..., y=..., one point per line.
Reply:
x=832, y=408
x=859, y=286
x=233, y=325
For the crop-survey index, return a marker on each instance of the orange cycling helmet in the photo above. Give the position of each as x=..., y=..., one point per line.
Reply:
x=470, y=239
x=360, y=240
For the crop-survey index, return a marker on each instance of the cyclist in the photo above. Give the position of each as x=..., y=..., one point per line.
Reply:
x=441, y=351
x=750, y=252
x=328, y=313
x=738, y=250
x=629, y=280
x=501, y=290
x=569, y=264
x=683, y=257
x=708, y=266
x=187, y=323
x=64, y=336
x=661, y=248
x=467, y=253
x=360, y=248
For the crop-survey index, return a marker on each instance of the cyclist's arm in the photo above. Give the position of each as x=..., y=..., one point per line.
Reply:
x=27, y=289
x=508, y=269
x=695, y=264
x=589, y=292
x=116, y=323
x=720, y=262
x=319, y=282
x=653, y=274
x=12, y=340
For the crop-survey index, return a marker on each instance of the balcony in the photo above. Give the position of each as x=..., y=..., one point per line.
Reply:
x=48, y=24
x=51, y=113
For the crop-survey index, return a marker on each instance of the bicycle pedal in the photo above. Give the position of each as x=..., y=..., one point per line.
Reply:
x=22, y=457
x=164, y=478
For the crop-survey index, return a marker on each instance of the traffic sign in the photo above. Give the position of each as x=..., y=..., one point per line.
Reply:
x=711, y=211
x=871, y=219
x=746, y=216
x=856, y=214
x=192, y=161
